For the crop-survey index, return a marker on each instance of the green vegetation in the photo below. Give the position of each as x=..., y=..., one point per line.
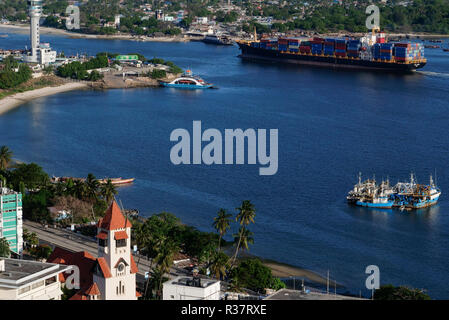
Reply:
x=4, y=248
x=226, y=17
x=13, y=73
x=31, y=239
x=86, y=200
x=390, y=292
x=5, y=157
x=78, y=70
x=158, y=74
x=253, y=275
x=417, y=16
x=41, y=252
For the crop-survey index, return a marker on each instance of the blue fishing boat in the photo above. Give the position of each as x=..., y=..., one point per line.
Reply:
x=404, y=195
x=369, y=194
x=187, y=81
x=416, y=196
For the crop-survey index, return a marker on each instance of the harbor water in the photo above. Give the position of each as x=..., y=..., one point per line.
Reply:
x=332, y=124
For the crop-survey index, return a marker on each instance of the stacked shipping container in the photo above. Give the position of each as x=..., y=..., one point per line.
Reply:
x=400, y=52
x=353, y=48
x=408, y=51
x=340, y=47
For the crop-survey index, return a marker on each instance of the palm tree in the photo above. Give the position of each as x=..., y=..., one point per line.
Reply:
x=164, y=260
x=246, y=237
x=4, y=248
x=246, y=215
x=220, y=263
x=108, y=191
x=141, y=237
x=5, y=157
x=92, y=186
x=222, y=223
x=78, y=190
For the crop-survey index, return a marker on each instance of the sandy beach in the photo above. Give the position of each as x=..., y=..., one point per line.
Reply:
x=17, y=99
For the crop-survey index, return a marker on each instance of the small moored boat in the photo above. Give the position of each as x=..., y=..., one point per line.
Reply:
x=187, y=81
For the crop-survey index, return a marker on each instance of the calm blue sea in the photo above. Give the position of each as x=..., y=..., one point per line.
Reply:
x=332, y=124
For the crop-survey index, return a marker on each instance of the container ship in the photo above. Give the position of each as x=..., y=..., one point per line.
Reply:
x=404, y=195
x=371, y=52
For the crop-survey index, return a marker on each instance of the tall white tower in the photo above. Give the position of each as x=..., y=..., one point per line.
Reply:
x=115, y=272
x=35, y=12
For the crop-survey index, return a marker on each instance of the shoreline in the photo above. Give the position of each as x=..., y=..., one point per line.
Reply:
x=75, y=35
x=10, y=102
x=284, y=270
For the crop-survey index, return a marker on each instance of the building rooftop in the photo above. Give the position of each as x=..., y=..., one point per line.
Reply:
x=288, y=294
x=6, y=191
x=192, y=282
x=17, y=273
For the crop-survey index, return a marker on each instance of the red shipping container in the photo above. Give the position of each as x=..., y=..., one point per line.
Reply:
x=340, y=54
x=304, y=49
x=318, y=39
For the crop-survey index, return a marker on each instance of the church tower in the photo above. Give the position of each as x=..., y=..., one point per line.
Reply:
x=115, y=270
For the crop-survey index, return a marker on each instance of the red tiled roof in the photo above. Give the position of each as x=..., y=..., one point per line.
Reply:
x=83, y=260
x=78, y=296
x=93, y=290
x=114, y=219
x=120, y=235
x=134, y=268
x=104, y=267
x=102, y=235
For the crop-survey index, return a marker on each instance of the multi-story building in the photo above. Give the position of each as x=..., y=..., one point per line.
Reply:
x=11, y=227
x=30, y=280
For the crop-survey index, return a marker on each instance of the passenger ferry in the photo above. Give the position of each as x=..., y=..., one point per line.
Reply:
x=187, y=81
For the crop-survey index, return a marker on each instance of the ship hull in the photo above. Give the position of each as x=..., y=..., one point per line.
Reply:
x=218, y=42
x=185, y=86
x=250, y=53
x=386, y=205
x=424, y=204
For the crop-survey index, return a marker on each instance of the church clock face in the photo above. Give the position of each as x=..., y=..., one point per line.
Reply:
x=121, y=267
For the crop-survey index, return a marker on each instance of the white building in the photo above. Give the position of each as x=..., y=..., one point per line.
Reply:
x=201, y=20
x=30, y=280
x=191, y=288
